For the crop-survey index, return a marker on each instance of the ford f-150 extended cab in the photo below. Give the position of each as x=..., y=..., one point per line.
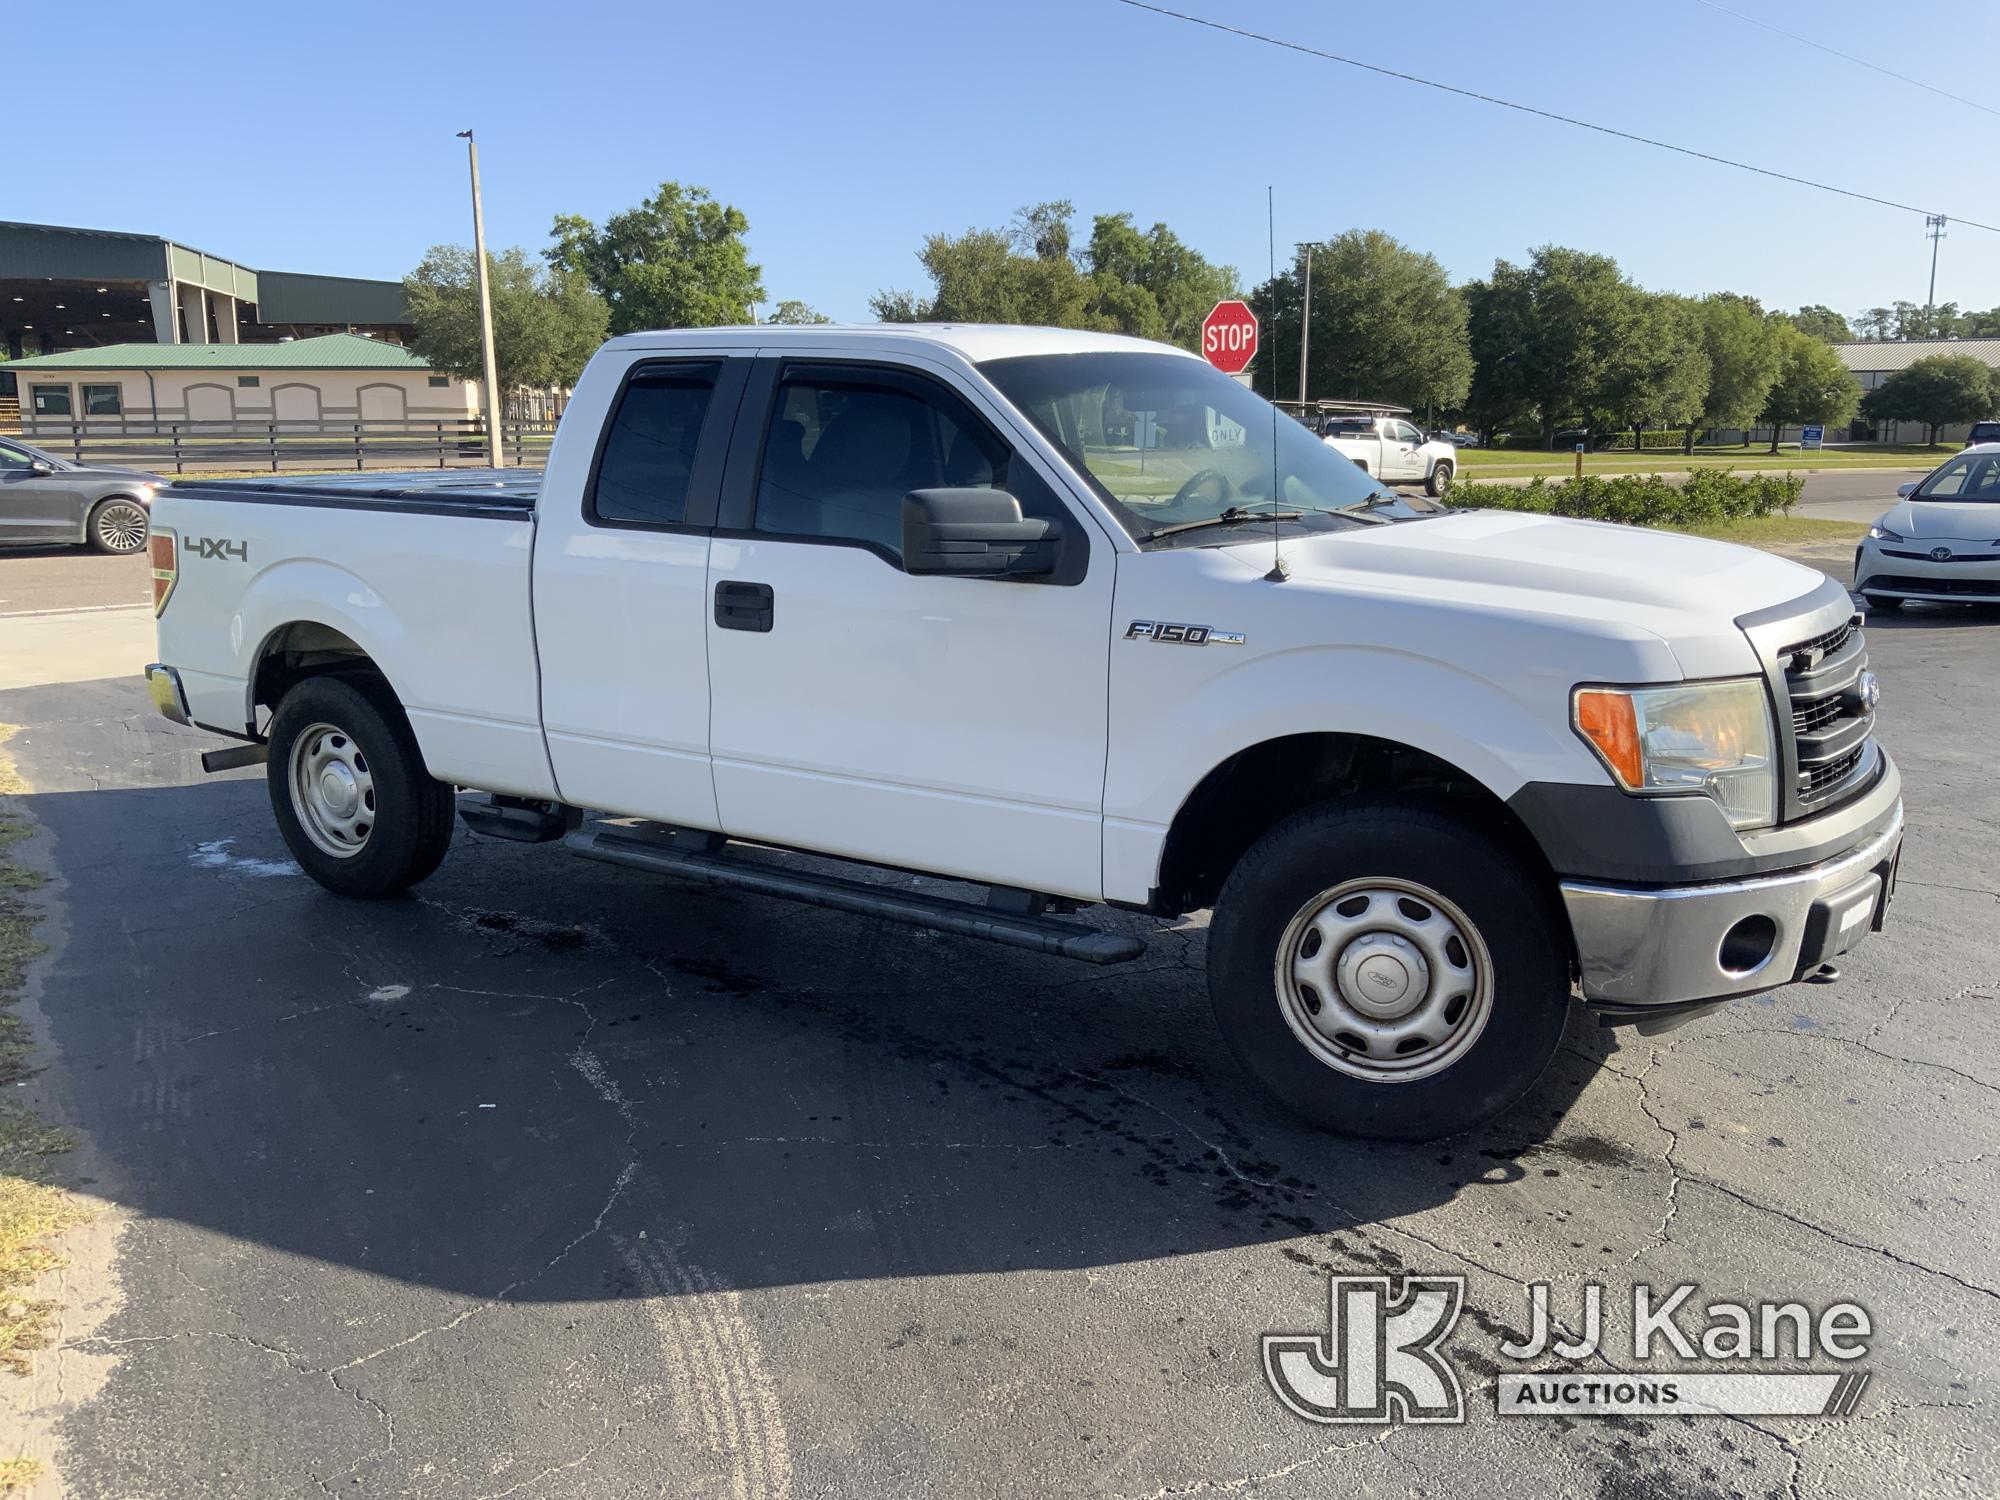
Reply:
x=1074, y=618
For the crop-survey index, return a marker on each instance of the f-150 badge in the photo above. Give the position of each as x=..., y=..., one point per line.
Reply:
x=1181, y=635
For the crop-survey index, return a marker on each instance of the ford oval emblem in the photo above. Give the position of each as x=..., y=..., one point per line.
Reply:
x=1940, y=554
x=1867, y=691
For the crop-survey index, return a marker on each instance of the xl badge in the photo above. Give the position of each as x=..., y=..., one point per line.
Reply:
x=1181, y=635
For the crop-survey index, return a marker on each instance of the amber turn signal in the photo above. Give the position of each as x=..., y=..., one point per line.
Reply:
x=1609, y=721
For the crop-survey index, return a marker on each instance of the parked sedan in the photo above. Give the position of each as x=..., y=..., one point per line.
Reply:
x=1942, y=541
x=48, y=499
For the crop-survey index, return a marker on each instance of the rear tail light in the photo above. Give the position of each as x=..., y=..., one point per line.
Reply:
x=166, y=568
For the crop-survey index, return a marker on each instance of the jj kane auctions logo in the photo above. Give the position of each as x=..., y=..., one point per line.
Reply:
x=1381, y=1357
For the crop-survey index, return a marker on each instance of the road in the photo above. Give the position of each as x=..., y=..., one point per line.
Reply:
x=559, y=1181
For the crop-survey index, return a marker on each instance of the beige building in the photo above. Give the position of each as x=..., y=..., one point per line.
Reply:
x=1873, y=363
x=300, y=385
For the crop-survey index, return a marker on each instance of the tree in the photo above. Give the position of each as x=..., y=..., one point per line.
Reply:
x=1980, y=325
x=1937, y=391
x=1875, y=325
x=1657, y=369
x=678, y=260
x=1021, y=274
x=1812, y=385
x=1387, y=325
x=1152, y=284
x=1566, y=314
x=1822, y=322
x=1916, y=321
x=1743, y=351
x=1498, y=312
x=1149, y=284
x=546, y=321
x=791, y=310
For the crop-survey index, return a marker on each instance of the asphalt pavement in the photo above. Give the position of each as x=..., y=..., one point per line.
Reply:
x=555, y=1180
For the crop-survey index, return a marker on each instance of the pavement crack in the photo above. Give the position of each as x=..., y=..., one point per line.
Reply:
x=1840, y=1239
x=554, y=1469
x=1236, y=1483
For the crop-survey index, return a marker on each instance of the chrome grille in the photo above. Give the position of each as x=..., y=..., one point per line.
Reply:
x=1813, y=715
x=1823, y=679
x=1816, y=783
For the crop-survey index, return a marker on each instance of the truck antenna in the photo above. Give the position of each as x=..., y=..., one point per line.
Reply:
x=1279, y=572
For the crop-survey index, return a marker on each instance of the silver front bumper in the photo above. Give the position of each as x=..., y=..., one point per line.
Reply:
x=1690, y=943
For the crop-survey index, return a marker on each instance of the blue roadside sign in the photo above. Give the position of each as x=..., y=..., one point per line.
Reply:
x=1812, y=437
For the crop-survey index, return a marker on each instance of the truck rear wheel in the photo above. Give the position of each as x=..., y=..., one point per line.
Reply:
x=357, y=809
x=1387, y=970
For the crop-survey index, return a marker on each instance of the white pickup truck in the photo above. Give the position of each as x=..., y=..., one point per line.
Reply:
x=914, y=597
x=1391, y=449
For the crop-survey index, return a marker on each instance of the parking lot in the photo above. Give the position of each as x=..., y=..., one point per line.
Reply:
x=555, y=1180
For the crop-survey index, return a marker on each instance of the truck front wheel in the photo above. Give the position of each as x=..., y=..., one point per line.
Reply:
x=356, y=807
x=1439, y=480
x=1388, y=970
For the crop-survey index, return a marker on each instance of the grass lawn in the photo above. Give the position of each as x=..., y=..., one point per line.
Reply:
x=1512, y=463
x=1782, y=531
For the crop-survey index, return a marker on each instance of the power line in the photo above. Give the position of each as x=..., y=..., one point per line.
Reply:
x=1529, y=109
x=1860, y=62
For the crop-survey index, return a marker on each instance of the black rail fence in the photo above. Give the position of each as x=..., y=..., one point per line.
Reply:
x=224, y=447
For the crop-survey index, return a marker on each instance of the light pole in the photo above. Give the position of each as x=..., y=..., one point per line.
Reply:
x=494, y=453
x=1305, y=321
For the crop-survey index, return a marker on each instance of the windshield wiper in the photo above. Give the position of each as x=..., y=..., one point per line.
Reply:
x=1234, y=515
x=1361, y=507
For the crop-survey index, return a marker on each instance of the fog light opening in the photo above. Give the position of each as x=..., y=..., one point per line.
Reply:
x=1747, y=946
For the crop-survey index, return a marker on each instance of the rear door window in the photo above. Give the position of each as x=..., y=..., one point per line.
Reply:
x=646, y=463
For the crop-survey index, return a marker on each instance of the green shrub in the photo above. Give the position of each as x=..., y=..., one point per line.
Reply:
x=1654, y=439
x=1705, y=497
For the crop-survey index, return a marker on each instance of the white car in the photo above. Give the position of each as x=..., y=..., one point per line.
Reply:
x=1393, y=451
x=1071, y=617
x=1942, y=541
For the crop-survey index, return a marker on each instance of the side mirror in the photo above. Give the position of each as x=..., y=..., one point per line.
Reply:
x=1904, y=491
x=977, y=533
x=40, y=466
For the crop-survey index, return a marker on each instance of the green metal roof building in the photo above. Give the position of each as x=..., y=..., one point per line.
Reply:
x=64, y=289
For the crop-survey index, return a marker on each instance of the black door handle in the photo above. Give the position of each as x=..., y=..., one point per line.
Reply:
x=743, y=606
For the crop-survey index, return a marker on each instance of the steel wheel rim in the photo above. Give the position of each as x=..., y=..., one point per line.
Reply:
x=333, y=791
x=122, y=527
x=1384, y=980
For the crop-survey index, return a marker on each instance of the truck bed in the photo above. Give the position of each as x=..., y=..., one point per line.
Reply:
x=495, y=494
x=426, y=574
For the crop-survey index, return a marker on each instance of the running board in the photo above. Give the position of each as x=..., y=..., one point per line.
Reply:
x=1016, y=929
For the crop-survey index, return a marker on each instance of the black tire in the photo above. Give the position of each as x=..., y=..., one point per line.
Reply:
x=1439, y=480
x=118, y=525
x=408, y=816
x=1881, y=604
x=1509, y=908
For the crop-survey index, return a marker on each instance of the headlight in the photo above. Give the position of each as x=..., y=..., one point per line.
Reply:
x=1712, y=737
x=1881, y=533
x=144, y=493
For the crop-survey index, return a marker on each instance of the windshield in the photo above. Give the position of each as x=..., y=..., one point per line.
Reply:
x=1969, y=477
x=1170, y=441
x=21, y=455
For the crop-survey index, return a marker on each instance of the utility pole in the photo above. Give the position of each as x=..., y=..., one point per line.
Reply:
x=1305, y=322
x=495, y=454
x=1934, y=227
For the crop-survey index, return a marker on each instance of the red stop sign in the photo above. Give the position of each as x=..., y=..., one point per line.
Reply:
x=1229, y=336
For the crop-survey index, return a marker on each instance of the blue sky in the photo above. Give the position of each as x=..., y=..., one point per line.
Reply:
x=319, y=138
